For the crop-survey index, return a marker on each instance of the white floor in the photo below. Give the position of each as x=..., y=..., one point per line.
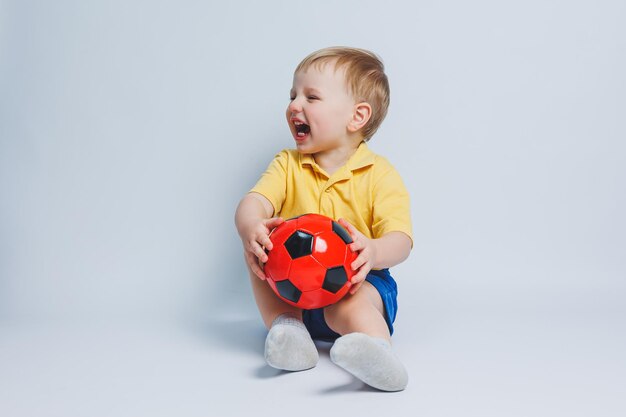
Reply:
x=470, y=364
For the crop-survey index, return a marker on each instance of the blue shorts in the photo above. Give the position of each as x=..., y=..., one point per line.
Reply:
x=388, y=290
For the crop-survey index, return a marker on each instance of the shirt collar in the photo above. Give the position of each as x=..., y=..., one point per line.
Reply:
x=362, y=158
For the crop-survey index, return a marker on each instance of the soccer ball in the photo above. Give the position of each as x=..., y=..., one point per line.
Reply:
x=309, y=264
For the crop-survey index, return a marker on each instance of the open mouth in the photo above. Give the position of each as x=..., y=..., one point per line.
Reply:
x=302, y=129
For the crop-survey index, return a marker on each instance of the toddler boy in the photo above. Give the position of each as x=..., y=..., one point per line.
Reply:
x=338, y=100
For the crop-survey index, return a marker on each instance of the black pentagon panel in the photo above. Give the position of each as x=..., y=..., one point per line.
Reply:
x=335, y=279
x=299, y=244
x=343, y=233
x=289, y=291
x=296, y=217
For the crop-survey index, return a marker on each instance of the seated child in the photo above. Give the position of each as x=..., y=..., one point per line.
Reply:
x=338, y=100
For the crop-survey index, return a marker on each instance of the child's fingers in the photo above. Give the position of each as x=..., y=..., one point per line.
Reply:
x=258, y=271
x=258, y=251
x=273, y=222
x=358, y=262
x=265, y=241
x=253, y=263
x=359, y=276
x=355, y=287
x=348, y=226
x=357, y=245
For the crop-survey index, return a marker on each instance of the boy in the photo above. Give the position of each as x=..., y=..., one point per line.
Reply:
x=338, y=100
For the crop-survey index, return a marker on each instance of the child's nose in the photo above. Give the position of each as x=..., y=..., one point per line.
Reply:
x=295, y=106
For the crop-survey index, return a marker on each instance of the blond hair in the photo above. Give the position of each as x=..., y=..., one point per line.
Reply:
x=365, y=78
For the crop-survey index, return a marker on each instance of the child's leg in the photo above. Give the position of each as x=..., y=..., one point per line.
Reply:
x=270, y=306
x=362, y=312
x=364, y=349
x=288, y=344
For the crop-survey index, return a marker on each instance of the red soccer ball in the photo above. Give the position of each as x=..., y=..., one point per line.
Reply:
x=309, y=264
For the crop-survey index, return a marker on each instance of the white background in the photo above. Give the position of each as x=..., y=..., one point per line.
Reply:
x=129, y=130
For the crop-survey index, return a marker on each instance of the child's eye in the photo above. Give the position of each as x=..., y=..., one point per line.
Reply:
x=292, y=98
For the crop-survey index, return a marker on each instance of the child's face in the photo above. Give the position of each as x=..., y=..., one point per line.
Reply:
x=321, y=101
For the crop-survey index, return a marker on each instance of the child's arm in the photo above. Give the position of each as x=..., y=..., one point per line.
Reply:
x=384, y=252
x=254, y=222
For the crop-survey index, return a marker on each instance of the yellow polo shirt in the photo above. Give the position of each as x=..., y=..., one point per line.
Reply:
x=367, y=191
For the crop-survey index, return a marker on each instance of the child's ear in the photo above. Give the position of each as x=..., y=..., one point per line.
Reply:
x=360, y=117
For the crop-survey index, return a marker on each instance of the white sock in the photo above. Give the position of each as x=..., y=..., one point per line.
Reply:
x=289, y=345
x=371, y=360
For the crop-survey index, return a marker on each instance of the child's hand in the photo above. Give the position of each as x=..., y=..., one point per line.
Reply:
x=255, y=239
x=366, y=258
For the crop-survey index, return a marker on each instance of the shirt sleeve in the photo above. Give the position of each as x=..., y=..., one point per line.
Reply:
x=391, y=209
x=273, y=182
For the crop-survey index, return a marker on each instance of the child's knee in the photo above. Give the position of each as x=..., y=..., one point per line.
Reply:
x=345, y=311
